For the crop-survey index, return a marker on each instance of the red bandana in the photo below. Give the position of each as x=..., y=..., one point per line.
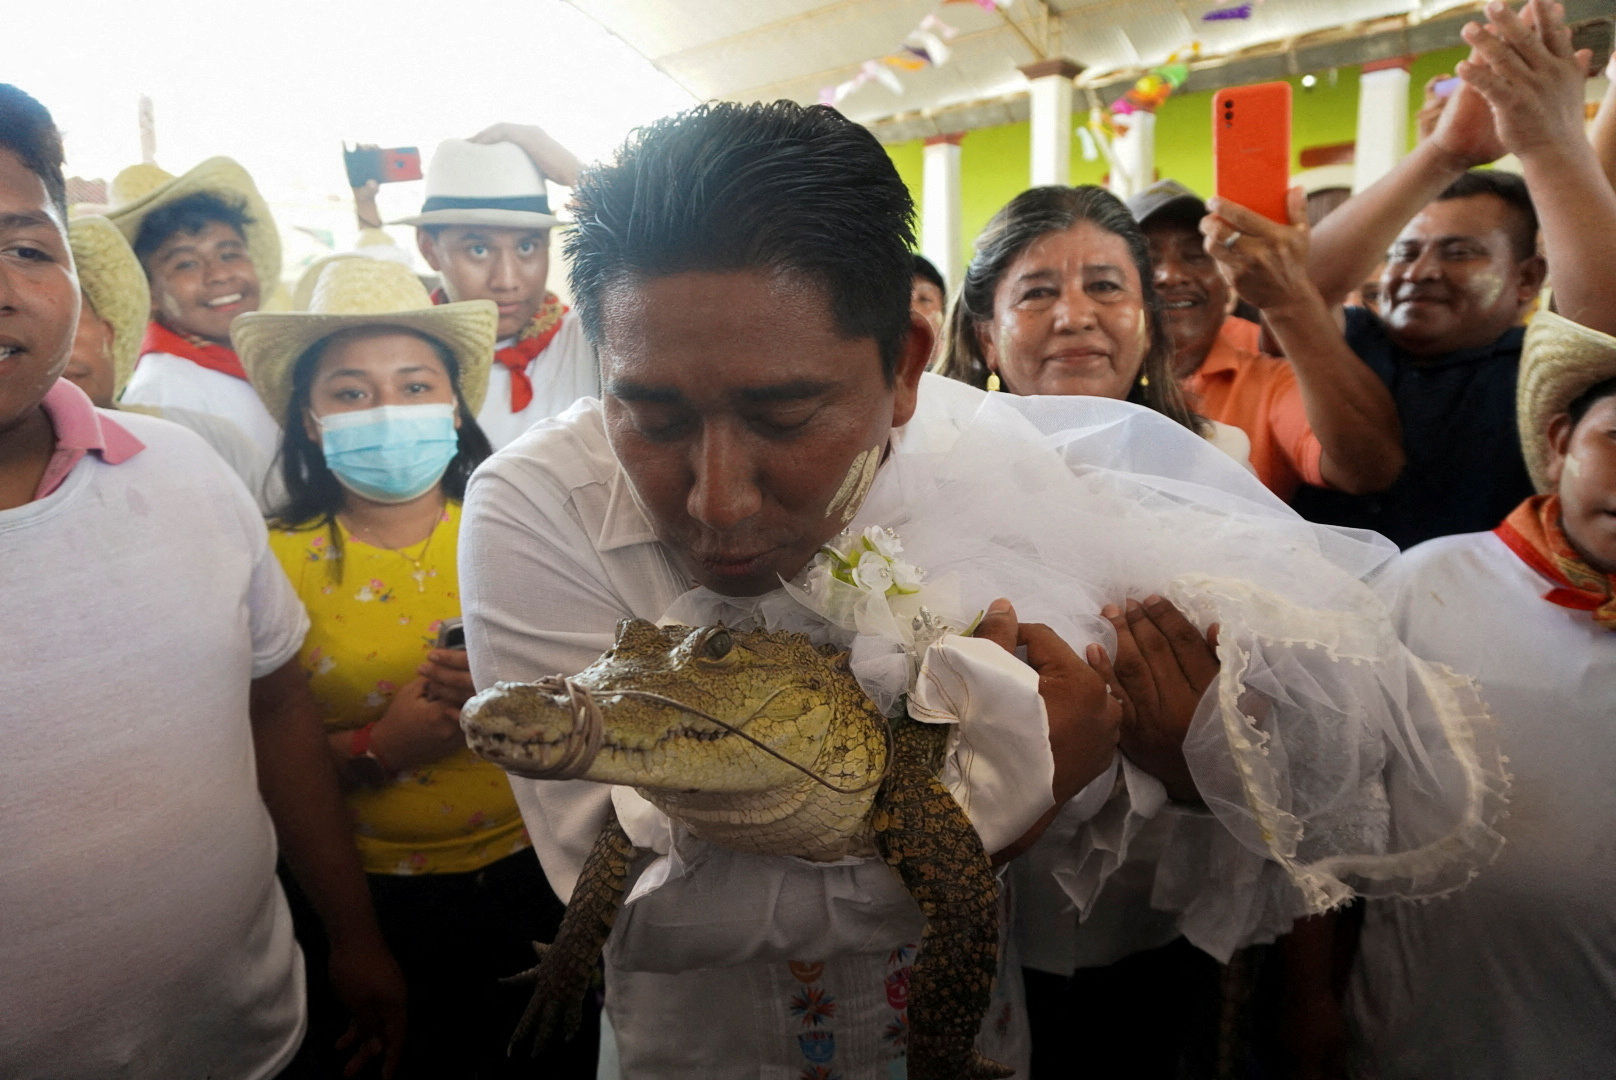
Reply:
x=537, y=334
x=1533, y=532
x=200, y=351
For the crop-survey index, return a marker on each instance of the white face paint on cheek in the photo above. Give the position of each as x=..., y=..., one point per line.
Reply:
x=170, y=306
x=855, y=486
x=1573, y=464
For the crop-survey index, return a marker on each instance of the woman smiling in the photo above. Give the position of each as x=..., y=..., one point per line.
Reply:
x=1058, y=300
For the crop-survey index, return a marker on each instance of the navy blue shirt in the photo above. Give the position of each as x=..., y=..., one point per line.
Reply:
x=1465, y=472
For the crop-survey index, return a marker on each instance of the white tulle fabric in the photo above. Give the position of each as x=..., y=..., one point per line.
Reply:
x=1333, y=762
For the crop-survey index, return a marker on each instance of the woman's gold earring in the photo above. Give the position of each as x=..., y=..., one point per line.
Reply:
x=1144, y=381
x=993, y=380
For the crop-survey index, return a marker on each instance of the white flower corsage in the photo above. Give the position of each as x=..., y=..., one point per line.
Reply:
x=860, y=582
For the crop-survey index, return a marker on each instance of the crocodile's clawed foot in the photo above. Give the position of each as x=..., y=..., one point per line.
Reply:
x=555, y=1010
x=984, y=1068
x=935, y=1060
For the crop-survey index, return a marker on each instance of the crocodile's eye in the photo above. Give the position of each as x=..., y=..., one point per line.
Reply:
x=718, y=644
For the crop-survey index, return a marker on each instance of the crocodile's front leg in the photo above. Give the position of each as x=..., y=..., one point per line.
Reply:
x=924, y=835
x=562, y=977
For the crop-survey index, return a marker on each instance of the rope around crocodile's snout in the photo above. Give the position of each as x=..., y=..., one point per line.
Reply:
x=588, y=732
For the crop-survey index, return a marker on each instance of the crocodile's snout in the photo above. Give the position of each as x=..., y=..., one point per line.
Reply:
x=528, y=729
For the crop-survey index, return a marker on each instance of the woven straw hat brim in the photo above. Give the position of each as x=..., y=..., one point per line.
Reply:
x=1559, y=360
x=270, y=344
x=115, y=286
x=494, y=219
x=222, y=176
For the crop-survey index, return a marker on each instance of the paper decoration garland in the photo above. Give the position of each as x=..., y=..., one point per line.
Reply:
x=924, y=46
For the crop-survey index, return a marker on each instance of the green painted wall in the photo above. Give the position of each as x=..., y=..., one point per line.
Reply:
x=994, y=161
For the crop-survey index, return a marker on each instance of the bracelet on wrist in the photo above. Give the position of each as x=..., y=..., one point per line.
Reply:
x=365, y=762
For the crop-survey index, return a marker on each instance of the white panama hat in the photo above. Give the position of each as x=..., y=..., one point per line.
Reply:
x=493, y=184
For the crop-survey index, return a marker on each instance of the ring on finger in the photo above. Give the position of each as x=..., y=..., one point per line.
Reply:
x=1232, y=239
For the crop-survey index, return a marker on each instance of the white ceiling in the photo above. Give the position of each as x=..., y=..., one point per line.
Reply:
x=748, y=50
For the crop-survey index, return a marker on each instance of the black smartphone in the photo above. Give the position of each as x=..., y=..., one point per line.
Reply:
x=451, y=634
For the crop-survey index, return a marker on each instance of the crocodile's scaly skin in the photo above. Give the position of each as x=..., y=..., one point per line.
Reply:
x=680, y=750
x=561, y=978
x=923, y=834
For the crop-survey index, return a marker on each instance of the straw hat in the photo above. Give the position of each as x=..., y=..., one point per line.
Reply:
x=136, y=182
x=115, y=286
x=219, y=176
x=354, y=292
x=1559, y=360
x=493, y=184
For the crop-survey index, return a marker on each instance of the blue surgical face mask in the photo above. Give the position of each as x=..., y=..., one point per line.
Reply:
x=390, y=454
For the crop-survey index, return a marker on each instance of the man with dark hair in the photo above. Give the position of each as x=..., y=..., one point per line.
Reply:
x=209, y=248
x=758, y=350
x=485, y=228
x=1462, y=271
x=160, y=735
x=1323, y=417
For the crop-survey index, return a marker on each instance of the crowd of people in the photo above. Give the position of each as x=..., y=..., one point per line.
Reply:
x=1254, y=591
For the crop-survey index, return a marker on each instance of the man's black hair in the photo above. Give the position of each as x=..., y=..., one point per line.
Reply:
x=927, y=270
x=189, y=215
x=27, y=130
x=1512, y=191
x=779, y=187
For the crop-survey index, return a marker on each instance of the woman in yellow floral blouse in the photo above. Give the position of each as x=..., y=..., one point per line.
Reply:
x=377, y=390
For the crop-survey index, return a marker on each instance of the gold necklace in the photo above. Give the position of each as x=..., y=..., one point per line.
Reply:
x=418, y=573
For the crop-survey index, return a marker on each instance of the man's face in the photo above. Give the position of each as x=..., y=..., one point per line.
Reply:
x=926, y=300
x=744, y=418
x=91, y=366
x=1582, y=465
x=507, y=266
x=39, y=294
x=1194, y=296
x=1452, y=280
x=201, y=281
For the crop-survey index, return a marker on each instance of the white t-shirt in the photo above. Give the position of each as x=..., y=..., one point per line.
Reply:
x=173, y=382
x=142, y=931
x=564, y=372
x=1513, y=976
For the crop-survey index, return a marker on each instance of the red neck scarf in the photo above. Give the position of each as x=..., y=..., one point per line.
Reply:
x=199, y=351
x=515, y=358
x=1533, y=532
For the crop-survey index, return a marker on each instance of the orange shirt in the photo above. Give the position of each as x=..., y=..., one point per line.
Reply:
x=1258, y=394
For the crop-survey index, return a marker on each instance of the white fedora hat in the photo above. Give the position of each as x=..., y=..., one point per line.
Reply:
x=493, y=184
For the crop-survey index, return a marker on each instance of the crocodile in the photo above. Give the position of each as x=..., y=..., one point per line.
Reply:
x=762, y=742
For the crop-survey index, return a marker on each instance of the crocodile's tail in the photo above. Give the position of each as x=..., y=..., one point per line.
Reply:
x=565, y=969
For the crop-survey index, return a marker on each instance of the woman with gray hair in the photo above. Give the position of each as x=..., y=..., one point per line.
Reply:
x=1058, y=300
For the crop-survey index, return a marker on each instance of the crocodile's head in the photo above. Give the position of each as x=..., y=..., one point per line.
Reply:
x=685, y=709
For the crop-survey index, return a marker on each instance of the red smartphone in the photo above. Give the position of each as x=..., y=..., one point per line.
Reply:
x=1251, y=146
x=385, y=166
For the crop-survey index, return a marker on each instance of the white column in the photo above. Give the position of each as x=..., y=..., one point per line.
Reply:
x=1136, y=154
x=1049, y=91
x=1382, y=120
x=940, y=206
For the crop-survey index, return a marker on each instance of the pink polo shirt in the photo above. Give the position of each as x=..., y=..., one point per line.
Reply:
x=80, y=428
